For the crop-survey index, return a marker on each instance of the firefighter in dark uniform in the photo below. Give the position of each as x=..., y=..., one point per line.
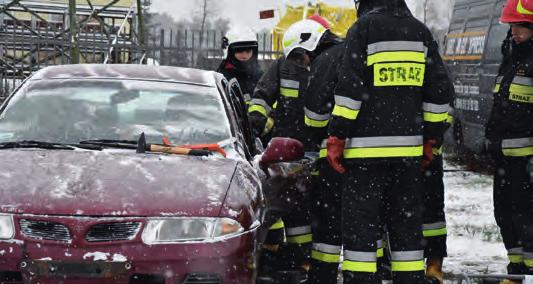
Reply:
x=390, y=106
x=240, y=60
x=326, y=229
x=434, y=227
x=278, y=98
x=510, y=132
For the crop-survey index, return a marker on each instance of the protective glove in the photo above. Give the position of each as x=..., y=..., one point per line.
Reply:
x=427, y=157
x=335, y=147
x=257, y=123
x=530, y=169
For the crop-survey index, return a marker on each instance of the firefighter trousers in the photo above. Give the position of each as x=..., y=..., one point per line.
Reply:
x=327, y=239
x=434, y=227
x=513, y=210
x=368, y=188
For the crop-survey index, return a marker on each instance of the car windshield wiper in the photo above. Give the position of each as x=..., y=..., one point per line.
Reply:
x=123, y=144
x=35, y=144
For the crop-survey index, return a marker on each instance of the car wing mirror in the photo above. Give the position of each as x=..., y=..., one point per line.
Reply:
x=282, y=149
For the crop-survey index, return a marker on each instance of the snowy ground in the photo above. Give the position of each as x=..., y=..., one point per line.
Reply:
x=474, y=242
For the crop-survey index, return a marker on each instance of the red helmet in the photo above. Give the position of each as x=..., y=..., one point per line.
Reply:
x=321, y=20
x=517, y=11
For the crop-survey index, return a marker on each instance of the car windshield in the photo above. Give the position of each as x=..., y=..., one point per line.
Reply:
x=70, y=111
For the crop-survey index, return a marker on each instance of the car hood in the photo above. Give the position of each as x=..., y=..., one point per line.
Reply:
x=93, y=183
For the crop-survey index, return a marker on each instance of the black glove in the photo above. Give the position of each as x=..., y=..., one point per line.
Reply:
x=257, y=123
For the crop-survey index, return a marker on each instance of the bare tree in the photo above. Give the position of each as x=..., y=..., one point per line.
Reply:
x=207, y=10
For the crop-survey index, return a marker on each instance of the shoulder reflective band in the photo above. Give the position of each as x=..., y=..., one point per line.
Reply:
x=356, y=261
x=498, y=84
x=326, y=253
x=407, y=260
x=384, y=147
x=278, y=225
x=434, y=112
x=289, y=88
x=515, y=255
x=399, y=74
x=434, y=229
x=520, y=8
x=519, y=147
x=313, y=119
x=528, y=259
x=259, y=105
x=521, y=89
x=394, y=51
x=346, y=107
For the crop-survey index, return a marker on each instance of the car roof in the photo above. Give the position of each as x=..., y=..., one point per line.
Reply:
x=128, y=72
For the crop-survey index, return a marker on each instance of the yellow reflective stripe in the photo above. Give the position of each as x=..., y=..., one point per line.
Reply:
x=523, y=98
x=528, y=262
x=380, y=252
x=275, y=106
x=497, y=88
x=359, y=266
x=325, y=257
x=315, y=173
x=437, y=151
x=435, y=233
x=518, y=152
x=523, y=10
x=516, y=258
x=435, y=117
x=258, y=108
x=316, y=123
x=323, y=153
x=395, y=56
x=303, y=239
x=399, y=74
x=406, y=266
x=278, y=225
x=384, y=152
x=449, y=119
x=291, y=93
x=345, y=112
x=515, y=88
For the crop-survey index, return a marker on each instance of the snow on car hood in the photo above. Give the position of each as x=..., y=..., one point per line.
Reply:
x=94, y=183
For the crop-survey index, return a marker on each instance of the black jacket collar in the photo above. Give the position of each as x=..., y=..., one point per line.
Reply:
x=392, y=7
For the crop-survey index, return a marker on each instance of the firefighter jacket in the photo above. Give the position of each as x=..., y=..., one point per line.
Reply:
x=319, y=99
x=279, y=94
x=247, y=77
x=511, y=122
x=394, y=91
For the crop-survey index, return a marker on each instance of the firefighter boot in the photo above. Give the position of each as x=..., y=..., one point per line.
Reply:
x=434, y=269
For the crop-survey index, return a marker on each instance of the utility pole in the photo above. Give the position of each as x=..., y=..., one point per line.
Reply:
x=74, y=33
x=140, y=21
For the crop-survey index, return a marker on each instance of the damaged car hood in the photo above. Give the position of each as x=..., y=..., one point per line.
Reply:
x=94, y=183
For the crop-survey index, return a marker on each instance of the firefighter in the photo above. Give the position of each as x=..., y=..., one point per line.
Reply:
x=434, y=227
x=278, y=98
x=390, y=106
x=326, y=229
x=510, y=132
x=240, y=59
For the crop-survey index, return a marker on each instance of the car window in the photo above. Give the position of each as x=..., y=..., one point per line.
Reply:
x=69, y=111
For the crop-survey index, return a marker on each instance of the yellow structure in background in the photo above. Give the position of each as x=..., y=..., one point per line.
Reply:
x=340, y=18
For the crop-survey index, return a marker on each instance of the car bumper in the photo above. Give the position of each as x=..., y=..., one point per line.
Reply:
x=228, y=261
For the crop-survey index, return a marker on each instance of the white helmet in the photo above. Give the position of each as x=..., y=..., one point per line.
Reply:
x=304, y=34
x=238, y=37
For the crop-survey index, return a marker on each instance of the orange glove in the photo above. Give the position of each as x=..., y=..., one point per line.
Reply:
x=335, y=147
x=427, y=157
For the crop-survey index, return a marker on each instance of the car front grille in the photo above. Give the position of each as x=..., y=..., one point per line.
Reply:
x=44, y=230
x=202, y=278
x=109, y=232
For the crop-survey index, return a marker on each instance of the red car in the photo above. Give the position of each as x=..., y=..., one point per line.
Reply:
x=83, y=200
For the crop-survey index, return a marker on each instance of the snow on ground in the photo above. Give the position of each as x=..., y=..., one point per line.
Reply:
x=474, y=241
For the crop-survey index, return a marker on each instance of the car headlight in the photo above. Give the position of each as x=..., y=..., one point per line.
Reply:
x=7, y=228
x=176, y=230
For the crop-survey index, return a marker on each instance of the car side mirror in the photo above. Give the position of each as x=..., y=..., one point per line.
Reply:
x=282, y=149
